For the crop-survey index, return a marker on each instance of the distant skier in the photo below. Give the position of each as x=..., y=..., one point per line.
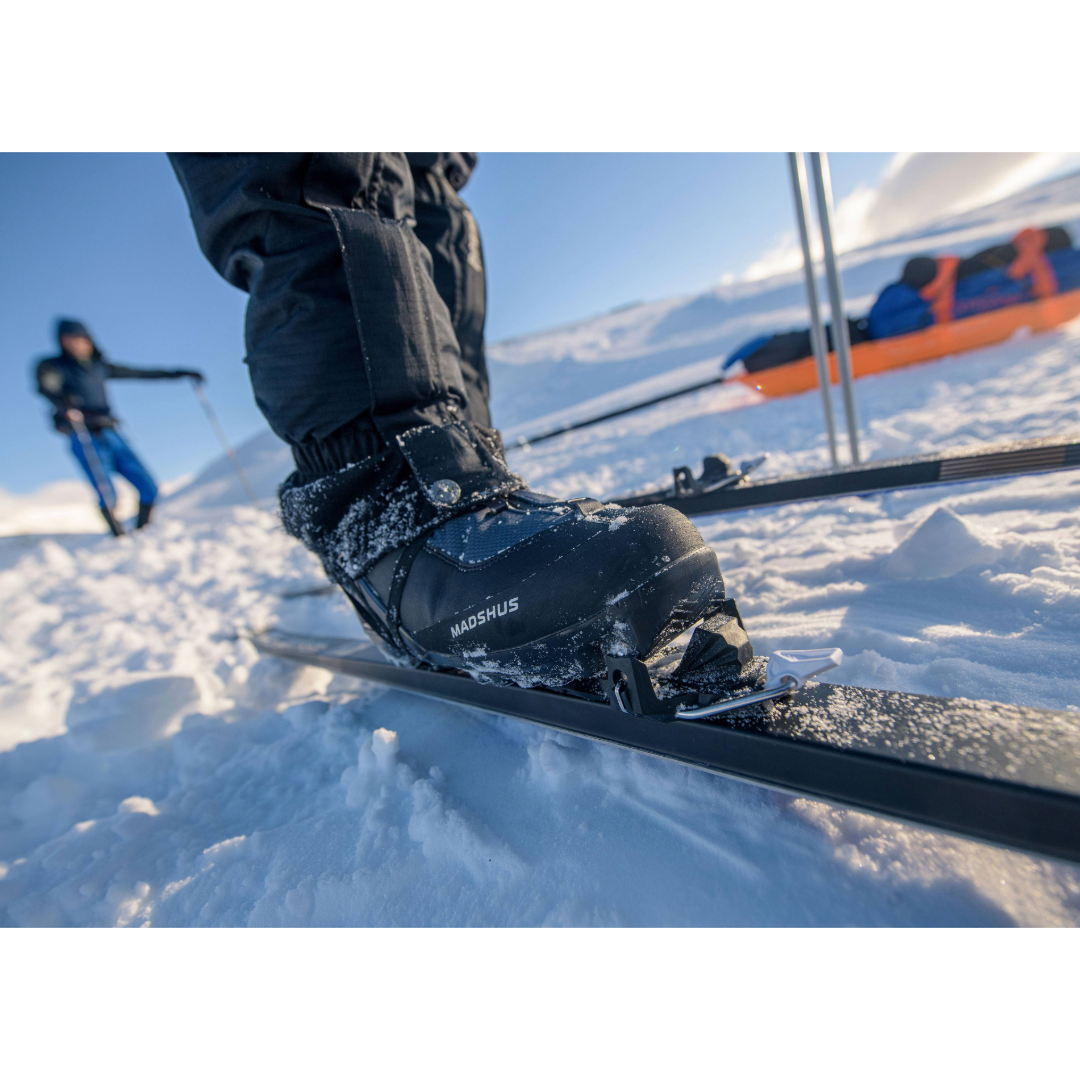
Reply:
x=74, y=384
x=365, y=344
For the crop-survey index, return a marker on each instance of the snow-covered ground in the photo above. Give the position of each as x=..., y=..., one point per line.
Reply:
x=155, y=770
x=65, y=506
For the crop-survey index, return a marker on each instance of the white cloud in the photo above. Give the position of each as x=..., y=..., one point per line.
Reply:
x=914, y=190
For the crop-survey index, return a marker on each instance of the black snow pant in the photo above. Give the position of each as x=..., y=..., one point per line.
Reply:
x=364, y=336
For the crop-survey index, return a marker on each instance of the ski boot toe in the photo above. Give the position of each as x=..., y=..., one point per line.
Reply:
x=536, y=590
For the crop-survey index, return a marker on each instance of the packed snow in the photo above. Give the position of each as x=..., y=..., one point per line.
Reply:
x=155, y=770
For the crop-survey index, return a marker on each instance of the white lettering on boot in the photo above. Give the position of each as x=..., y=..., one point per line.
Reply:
x=484, y=615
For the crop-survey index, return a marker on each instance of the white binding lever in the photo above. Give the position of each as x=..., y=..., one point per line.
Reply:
x=788, y=670
x=800, y=665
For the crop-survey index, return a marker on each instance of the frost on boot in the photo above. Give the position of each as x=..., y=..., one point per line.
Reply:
x=467, y=570
x=355, y=515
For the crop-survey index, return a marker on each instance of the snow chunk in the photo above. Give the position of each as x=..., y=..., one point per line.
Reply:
x=553, y=763
x=384, y=745
x=942, y=546
x=134, y=817
x=375, y=765
x=137, y=804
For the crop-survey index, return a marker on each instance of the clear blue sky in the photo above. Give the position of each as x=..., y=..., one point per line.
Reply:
x=106, y=238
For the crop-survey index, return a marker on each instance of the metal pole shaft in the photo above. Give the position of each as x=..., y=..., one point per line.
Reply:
x=97, y=470
x=817, y=331
x=841, y=341
x=230, y=453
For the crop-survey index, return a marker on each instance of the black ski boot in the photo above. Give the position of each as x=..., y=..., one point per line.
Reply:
x=144, y=515
x=534, y=590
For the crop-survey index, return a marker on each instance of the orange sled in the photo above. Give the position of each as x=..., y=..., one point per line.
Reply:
x=974, y=332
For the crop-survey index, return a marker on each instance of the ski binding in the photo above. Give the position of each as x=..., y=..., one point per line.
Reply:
x=628, y=685
x=716, y=473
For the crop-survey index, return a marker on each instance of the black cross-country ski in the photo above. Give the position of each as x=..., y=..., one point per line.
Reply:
x=714, y=492
x=999, y=773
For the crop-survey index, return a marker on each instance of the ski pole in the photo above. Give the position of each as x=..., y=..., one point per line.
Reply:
x=230, y=453
x=841, y=340
x=577, y=425
x=817, y=332
x=97, y=470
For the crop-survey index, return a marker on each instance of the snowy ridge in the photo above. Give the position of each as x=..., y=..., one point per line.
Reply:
x=265, y=459
x=65, y=506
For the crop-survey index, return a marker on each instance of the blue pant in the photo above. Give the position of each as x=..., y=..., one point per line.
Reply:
x=116, y=457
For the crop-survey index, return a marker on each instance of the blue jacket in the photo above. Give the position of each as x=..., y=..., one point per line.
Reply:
x=901, y=310
x=68, y=383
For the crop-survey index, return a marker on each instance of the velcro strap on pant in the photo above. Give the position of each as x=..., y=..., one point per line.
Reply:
x=354, y=516
x=455, y=465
